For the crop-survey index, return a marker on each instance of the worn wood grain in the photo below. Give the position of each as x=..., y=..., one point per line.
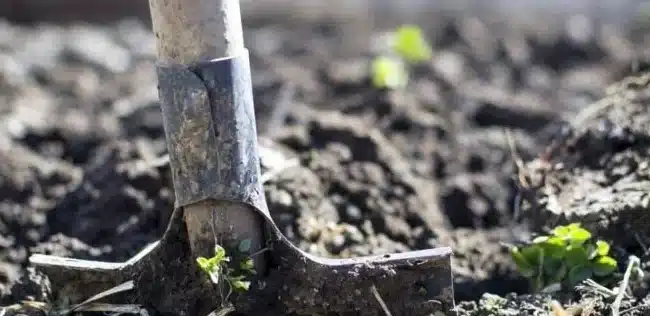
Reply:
x=188, y=31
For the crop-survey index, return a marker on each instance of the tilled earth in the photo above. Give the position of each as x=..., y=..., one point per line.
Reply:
x=81, y=142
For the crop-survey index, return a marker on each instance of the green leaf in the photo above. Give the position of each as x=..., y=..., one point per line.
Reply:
x=219, y=253
x=561, y=231
x=540, y=239
x=247, y=265
x=554, y=269
x=245, y=245
x=559, y=274
x=576, y=256
x=409, y=42
x=204, y=263
x=578, y=235
x=389, y=73
x=233, y=278
x=604, y=265
x=533, y=254
x=215, y=275
x=602, y=248
x=555, y=247
x=525, y=268
x=241, y=286
x=578, y=274
x=591, y=250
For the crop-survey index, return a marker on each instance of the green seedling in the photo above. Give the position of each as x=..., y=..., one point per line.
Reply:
x=567, y=257
x=408, y=47
x=410, y=43
x=389, y=73
x=220, y=272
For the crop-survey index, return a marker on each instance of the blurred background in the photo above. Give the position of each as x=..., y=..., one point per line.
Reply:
x=618, y=12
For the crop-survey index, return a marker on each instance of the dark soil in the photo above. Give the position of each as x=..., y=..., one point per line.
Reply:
x=81, y=139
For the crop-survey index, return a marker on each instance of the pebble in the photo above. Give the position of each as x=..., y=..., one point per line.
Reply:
x=353, y=213
x=336, y=244
x=284, y=198
x=353, y=234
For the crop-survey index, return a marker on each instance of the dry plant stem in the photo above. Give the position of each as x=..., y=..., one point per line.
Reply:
x=558, y=310
x=380, y=300
x=616, y=306
x=187, y=32
x=520, y=168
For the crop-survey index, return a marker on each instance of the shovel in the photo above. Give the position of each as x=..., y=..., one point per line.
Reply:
x=205, y=89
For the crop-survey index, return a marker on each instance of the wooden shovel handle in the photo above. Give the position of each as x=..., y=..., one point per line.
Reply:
x=188, y=32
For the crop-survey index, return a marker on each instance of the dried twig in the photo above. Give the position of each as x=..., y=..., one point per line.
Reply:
x=522, y=182
x=631, y=309
x=225, y=310
x=126, y=286
x=374, y=291
x=513, y=149
x=558, y=310
x=595, y=287
x=616, y=306
x=115, y=308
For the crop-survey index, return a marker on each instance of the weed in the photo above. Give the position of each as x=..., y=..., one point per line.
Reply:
x=410, y=43
x=566, y=257
x=389, y=72
x=220, y=272
x=408, y=46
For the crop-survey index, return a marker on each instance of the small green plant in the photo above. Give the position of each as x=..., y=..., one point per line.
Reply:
x=389, y=72
x=410, y=43
x=220, y=273
x=567, y=256
x=408, y=46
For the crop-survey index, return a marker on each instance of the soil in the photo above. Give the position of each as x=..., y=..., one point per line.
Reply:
x=81, y=142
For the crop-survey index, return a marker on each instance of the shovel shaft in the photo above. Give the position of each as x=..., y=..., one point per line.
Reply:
x=190, y=33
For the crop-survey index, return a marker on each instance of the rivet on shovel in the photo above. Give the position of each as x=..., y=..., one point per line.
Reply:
x=207, y=105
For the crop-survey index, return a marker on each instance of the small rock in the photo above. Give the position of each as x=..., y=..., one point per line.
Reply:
x=397, y=227
x=336, y=244
x=310, y=228
x=450, y=65
x=343, y=152
x=283, y=198
x=353, y=214
x=353, y=234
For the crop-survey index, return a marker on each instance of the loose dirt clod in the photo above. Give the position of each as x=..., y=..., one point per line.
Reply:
x=598, y=175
